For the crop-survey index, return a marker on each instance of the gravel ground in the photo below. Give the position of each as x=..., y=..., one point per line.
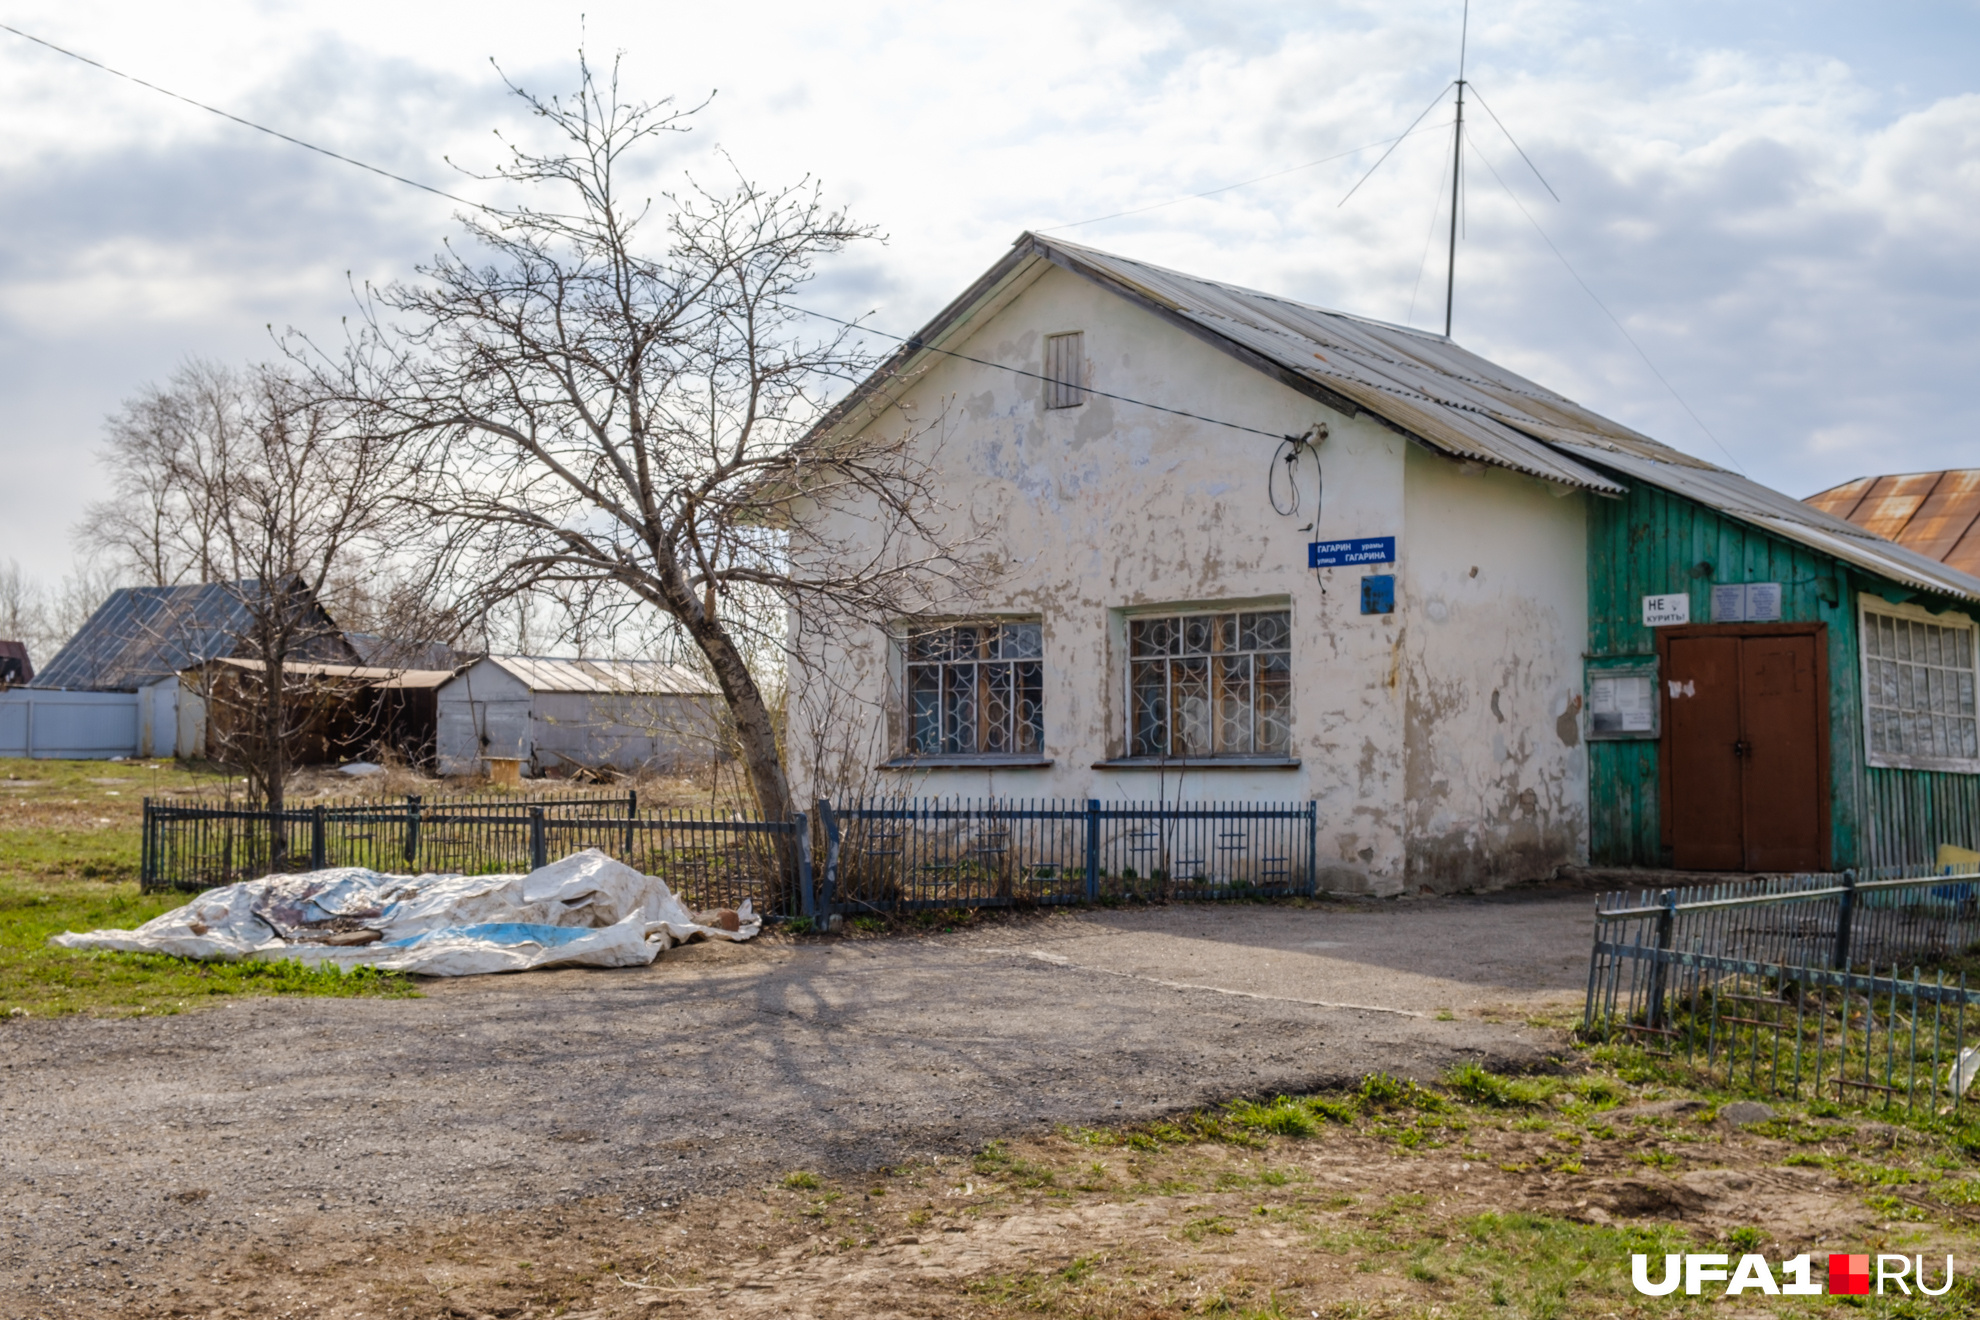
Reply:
x=125, y=1144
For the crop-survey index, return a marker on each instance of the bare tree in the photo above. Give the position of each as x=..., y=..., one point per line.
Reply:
x=23, y=607
x=243, y=480
x=162, y=532
x=598, y=398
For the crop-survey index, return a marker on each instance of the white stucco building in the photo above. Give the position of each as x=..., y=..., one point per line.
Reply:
x=1155, y=630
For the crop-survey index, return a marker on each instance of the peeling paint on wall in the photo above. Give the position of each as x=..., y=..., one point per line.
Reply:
x=1427, y=739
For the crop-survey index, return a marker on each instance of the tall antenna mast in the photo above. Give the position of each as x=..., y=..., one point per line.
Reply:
x=1457, y=160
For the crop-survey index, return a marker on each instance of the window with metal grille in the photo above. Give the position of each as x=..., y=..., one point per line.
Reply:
x=1065, y=369
x=1918, y=691
x=976, y=689
x=1210, y=685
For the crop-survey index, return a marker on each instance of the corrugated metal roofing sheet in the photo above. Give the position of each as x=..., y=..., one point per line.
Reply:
x=383, y=676
x=1786, y=516
x=644, y=677
x=1424, y=384
x=1935, y=513
x=142, y=634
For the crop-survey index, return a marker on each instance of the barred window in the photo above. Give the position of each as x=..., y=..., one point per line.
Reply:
x=1065, y=370
x=976, y=689
x=1919, y=689
x=1210, y=685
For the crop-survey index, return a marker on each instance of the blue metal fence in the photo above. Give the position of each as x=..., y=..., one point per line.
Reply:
x=895, y=854
x=880, y=854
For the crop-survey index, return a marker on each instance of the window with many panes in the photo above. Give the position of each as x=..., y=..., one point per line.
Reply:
x=1210, y=685
x=975, y=689
x=1918, y=690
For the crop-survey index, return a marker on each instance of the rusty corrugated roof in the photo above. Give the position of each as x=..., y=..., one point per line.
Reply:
x=1936, y=514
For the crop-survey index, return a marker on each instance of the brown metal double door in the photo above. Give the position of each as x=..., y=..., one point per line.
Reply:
x=1745, y=747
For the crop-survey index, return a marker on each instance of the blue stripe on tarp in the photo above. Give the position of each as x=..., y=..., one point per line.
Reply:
x=500, y=932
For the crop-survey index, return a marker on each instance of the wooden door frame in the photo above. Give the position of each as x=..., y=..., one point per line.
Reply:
x=1820, y=632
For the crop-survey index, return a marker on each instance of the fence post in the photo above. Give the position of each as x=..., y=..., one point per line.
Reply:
x=1666, y=931
x=412, y=829
x=807, y=901
x=1845, y=914
x=632, y=819
x=539, y=847
x=1312, y=848
x=146, y=858
x=830, y=897
x=1093, y=850
x=317, y=849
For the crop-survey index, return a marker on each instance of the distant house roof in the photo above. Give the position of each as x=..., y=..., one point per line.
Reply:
x=15, y=667
x=1421, y=384
x=1934, y=513
x=640, y=677
x=364, y=675
x=142, y=634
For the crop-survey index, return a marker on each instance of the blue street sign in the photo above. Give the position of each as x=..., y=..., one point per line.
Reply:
x=1362, y=550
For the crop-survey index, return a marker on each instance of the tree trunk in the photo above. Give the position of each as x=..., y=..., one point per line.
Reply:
x=755, y=730
x=274, y=758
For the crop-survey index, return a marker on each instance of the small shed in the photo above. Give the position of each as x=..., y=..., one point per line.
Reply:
x=15, y=667
x=341, y=712
x=559, y=715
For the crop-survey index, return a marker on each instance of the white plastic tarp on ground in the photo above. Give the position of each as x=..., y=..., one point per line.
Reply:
x=586, y=910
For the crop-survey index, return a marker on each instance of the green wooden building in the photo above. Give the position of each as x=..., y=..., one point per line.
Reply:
x=1770, y=688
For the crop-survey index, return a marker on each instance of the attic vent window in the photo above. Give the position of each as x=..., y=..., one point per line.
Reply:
x=1065, y=369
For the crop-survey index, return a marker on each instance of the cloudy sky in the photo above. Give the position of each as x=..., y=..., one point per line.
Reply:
x=1777, y=200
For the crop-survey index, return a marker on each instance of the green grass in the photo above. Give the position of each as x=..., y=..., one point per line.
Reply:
x=44, y=981
x=69, y=861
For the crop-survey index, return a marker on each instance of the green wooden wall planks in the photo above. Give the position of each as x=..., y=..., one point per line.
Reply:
x=1652, y=542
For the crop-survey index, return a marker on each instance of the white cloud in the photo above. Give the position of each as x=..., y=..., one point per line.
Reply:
x=1784, y=232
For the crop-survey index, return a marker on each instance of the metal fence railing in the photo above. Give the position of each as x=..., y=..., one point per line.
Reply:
x=199, y=846
x=1796, y=982
x=1868, y=1037
x=903, y=853
x=879, y=854
x=1822, y=920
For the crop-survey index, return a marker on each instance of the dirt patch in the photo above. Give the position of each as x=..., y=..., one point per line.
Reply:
x=1392, y=1214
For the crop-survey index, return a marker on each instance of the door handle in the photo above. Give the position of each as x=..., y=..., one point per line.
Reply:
x=1741, y=747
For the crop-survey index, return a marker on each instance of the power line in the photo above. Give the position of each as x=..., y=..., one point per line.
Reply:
x=1242, y=183
x=245, y=123
x=915, y=342
x=1606, y=312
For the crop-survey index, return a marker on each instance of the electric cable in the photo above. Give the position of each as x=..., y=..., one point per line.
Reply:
x=1288, y=454
x=1242, y=183
x=864, y=329
x=915, y=342
x=245, y=123
x=1624, y=330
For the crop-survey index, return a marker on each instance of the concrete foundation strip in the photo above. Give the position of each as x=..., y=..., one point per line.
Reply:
x=1060, y=960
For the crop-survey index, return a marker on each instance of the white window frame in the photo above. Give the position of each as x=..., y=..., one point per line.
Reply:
x=1871, y=607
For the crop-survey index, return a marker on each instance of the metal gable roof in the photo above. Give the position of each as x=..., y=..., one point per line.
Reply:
x=1785, y=516
x=1423, y=384
x=142, y=634
x=625, y=677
